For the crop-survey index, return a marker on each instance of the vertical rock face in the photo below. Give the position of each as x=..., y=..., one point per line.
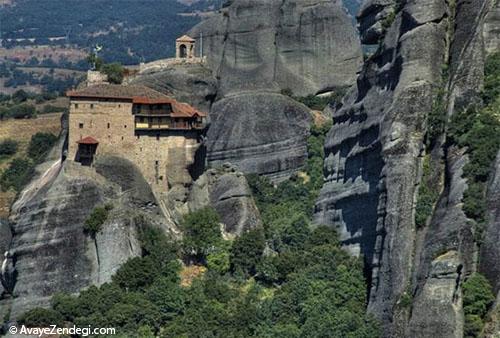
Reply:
x=228, y=192
x=374, y=159
x=492, y=29
x=307, y=46
x=50, y=249
x=490, y=250
x=260, y=133
x=257, y=48
x=373, y=149
x=436, y=315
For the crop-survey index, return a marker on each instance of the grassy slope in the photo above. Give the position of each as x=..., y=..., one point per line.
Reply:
x=21, y=131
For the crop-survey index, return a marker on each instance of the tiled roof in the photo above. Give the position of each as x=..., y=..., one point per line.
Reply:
x=137, y=94
x=116, y=91
x=186, y=38
x=88, y=140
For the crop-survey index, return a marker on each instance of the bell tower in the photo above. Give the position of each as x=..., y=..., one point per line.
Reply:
x=185, y=47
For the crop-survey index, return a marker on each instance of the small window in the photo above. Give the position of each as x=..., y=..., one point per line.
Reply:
x=119, y=106
x=125, y=126
x=157, y=137
x=80, y=125
x=91, y=106
x=138, y=136
x=108, y=125
x=76, y=105
x=122, y=138
x=156, y=162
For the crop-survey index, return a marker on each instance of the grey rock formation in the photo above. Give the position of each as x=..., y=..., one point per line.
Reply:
x=437, y=312
x=490, y=250
x=371, y=17
x=228, y=192
x=308, y=46
x=374, y=158
x=492, y=29
x=258, y=132
x=52, y=253
x=191, y=83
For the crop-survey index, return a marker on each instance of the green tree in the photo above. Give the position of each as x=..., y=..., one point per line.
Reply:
x=96, y=220
x=202, y=233
x=477, y=298
x=114, y=71
x=247, y=250
x=8, y=147
x=40, y=145
x=39, y=317
x=17, y=175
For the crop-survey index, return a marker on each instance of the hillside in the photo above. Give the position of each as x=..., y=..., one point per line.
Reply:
x=21, y=131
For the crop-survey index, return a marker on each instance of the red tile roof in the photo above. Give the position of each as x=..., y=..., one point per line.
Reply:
x=138, y=94
x=87, y=140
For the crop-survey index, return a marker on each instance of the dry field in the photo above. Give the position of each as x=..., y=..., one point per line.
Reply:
x=21, y=131
x=42, y=52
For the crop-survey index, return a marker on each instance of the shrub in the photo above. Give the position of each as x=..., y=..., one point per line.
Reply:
x=22, y=111
x=17, y=175
x=40, y=145
x=247, y=251
x=95, y=221
x=114, y=71
x=39, y=317
x=477, y=298
x=219, y=261
x=201, y=233
x=136, y=274
x=428, y=194
x=8, y=147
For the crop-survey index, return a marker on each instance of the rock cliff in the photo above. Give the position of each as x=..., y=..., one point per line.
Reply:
x=51, y=251
x=375, y=154
x=308, y=46
x=255, y=49
x=228, y=192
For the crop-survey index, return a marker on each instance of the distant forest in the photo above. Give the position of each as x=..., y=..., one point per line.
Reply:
x=130, y=30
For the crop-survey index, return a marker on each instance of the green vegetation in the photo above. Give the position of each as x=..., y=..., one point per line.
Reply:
x=8, y=148
x=428, y=194
x=97, y=217
x=286, y=280
x=202, y=234
x=114, y=71
x=22, y=170
x=41, y=318
x=40, y=145
x=17, y=175
x=478, y=297
x=477, y=129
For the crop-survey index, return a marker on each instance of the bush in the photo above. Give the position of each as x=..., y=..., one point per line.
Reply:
x=17, y=175
x=114, y=71
x=97, y=217
x=39, y=317
x=202, y=234
x=8, y=148
x=477, y=299
x=428, y=194
x=219, y=261
x=22, y=111
x=40, y=145
x=247, y=251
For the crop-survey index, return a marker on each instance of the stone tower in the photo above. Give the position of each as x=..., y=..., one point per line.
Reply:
x=184, y=47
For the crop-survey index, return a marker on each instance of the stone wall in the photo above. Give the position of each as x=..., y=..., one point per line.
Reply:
x=162, y=156
x=166, y=63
